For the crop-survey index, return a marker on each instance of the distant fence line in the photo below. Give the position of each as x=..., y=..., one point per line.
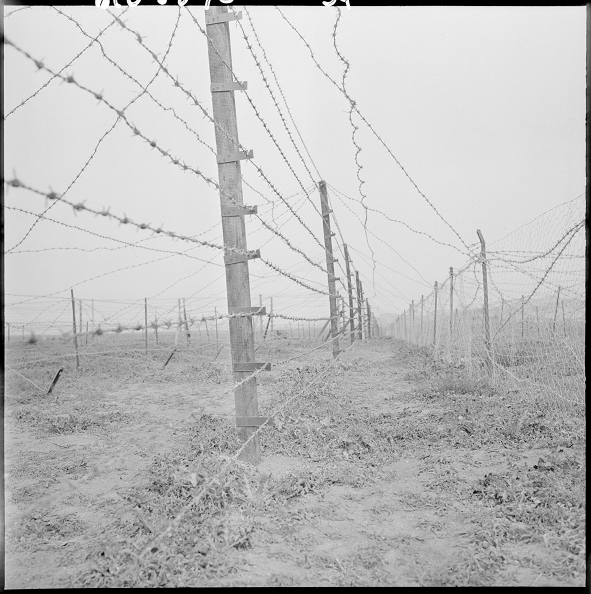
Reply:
x=516, y=311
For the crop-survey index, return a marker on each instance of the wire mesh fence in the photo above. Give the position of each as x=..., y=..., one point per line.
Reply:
x=535, y=313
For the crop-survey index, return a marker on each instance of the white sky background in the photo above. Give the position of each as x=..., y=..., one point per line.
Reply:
x=484, y=108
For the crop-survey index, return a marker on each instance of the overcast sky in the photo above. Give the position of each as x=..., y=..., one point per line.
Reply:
x=483, y=107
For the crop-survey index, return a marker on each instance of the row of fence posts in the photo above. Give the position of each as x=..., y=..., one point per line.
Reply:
x=404, y=325
x=369, y=321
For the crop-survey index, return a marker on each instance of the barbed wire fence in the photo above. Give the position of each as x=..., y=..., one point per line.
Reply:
x=536, y=274
x=534, y=310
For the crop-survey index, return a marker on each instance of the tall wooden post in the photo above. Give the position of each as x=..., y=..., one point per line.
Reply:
x=421, y=330
x=179, y=326
x=217, y=340
x=556, y=311
x=74, y=328
x=435, y=321
x=187, y=333
x=485, y=290
x=261, y=317
x=451, y=304
x=156, y=328
x=234, y=230
x=563, y=319
x=368, y=318
x=146, y=322
x=405, y=329
x=271, y=316
x=342, y=314
x=359, y=302
x=80, y=317
x=350, y=291
x=330, y=260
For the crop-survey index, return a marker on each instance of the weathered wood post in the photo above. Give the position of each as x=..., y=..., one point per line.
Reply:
x=80, y=317
x=485, y=291
x=73, y=329
x=556, y=311
x=359, y=305
x=234, y=231
x=330, y=260
x=187, y=333
x=435, y=321
x=421, y=331
x=350, y=292
x=215, y=315
x=271, y=316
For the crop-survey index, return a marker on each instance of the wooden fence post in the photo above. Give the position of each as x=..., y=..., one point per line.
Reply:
x=522, y=308
x=359, y=305
x=368, y=318
x=215, y=315
x=187, y=333
x=421, y=331
x=74, y=328
x=435, y=322
x=261, y=317
x=485, y=290
x=451, y=303
x=271, y=316
x=330, y=260
x=234, y=231
x=350, y=291
x=556, y=311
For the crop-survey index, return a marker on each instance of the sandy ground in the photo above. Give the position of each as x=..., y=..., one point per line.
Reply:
x=408, y=526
